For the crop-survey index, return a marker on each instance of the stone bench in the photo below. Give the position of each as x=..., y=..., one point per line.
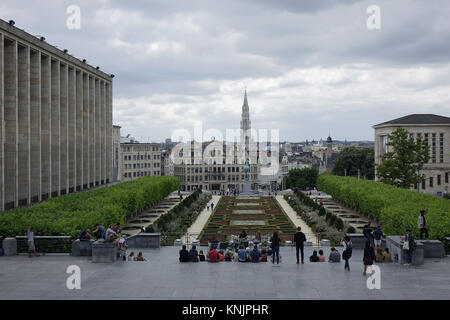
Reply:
x=196, y=243
x=144, y=240
x=288, y=243
x=432, y=248
x=308, y=243
x=177, y=242
x=9, y=246
x=395, y=246
x=324, y=243
x=104, y=251
x=82, y=248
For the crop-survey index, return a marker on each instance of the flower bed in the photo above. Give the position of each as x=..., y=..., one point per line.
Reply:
x=221, y=227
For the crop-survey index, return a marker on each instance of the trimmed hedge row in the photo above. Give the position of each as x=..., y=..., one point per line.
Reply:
x=397, y=209
x=69, y=214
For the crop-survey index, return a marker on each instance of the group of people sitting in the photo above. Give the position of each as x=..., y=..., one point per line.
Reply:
x=239, y=255
x=139, y=257
x=112, y=234
x=334, y=256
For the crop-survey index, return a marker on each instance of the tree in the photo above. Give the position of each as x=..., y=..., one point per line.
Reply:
x=350, y=159
x=401, y=166
x=302, y=178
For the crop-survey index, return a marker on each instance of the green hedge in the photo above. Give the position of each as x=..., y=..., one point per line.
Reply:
x=397, y=209
x=69, y=214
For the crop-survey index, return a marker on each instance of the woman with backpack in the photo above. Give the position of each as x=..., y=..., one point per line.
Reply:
x=369, y=256
x=347, y=253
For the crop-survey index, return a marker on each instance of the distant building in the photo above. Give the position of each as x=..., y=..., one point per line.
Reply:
x=116, y=152
x=138, y=160
x=435, y=130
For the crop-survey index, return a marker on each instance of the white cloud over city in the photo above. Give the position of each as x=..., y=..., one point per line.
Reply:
x=310, y=67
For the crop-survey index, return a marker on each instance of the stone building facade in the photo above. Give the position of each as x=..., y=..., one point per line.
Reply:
x=56, y=121
x=436, y=132
x=138, y=160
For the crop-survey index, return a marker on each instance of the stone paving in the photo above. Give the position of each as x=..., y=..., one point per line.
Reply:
x=196, y=228
x=163, y=277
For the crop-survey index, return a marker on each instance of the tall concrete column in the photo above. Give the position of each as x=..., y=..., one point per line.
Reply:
x=103, y=130
x=86, y=160
x=71, y=110
x=97, y=133
x=35, y=126
x=2, y=127
x=79, y=131
x=55, y=128
x=109, y=119
x=46, y=122
x=91, y=131
x=10, y=116
x=63, y=133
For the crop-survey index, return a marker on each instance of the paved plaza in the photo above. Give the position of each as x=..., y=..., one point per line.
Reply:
x=163, y=277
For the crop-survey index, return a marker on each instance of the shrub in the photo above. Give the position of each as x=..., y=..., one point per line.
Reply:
x=339, y=224
x=322, y=211
x=396, y=208
x=351, y=229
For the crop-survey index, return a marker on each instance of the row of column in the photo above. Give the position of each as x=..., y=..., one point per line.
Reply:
x=56, y=126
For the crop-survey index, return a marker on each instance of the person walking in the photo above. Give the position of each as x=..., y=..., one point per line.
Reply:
x=408, y=246
x=275, y=245
x=347, y=253
x=207, y=206
x=299, y=239
x=212, y=206
x=377, y=235
x=422, y=224
x=369, y=256
x=31, y=246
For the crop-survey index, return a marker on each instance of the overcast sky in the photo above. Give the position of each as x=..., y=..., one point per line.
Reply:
x=310, y=67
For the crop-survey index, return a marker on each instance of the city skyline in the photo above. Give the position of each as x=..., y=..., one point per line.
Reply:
x=315, y=69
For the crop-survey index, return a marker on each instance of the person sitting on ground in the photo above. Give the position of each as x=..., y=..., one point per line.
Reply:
x=193, y=254
x=255, y=255
x=321, y=256
x=314, y=257
x=201, y=256
x=213, y=255
x=184, y=254
x=85, y=235
x=236, y=255
x=131, y=257
x=99, y=232
x=335, y=256
x=111, y=235
x=228, y=255
x=242, y=254
x=140, y=257
x=378, y=255
x=386, y=255
x=263, y=255
x=221, y=255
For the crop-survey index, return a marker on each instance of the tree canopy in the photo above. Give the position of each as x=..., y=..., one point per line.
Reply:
x=401, y=166
x=302, y=178
x=350, y=159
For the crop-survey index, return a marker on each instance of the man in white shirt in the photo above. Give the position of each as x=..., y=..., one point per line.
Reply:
x=31, y=246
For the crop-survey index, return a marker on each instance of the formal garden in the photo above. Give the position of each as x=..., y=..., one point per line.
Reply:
x=252, y=214
x=67, y=215
x=395, y=208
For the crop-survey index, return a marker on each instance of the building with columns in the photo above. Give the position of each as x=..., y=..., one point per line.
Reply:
x=56, y=121
x=435, y=130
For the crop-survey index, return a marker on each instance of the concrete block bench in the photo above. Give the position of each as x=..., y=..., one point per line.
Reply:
x=9, y=246
x=82, y=248
x=324, y=243
x=196, y=243
x=288, y=243
x=308, y=243
x=432, y=248
x=144, y=240
x=395, y=246
x=177, y=242
x=104, y=251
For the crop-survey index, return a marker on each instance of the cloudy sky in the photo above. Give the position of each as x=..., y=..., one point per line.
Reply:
x=310, y=67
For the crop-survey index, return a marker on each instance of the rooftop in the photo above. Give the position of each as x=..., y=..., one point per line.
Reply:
x=417, y=119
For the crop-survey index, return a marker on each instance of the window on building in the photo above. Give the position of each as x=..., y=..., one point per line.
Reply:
x=423, y=185
x=383, y=141
x=441, y=147
x=446, y=177
x=433, y=147
x=438, y=179
x=431, y=182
